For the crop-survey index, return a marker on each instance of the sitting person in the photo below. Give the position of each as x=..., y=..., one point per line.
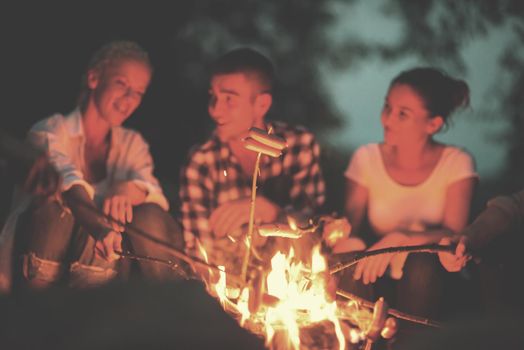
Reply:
x=409, y=189
x=105, y=168
x=494, y=239
x=215, y=190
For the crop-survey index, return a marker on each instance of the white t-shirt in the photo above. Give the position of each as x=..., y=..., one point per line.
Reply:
x=392, y=206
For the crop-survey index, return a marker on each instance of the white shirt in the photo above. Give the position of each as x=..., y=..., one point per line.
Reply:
x=128, y=159
x=392, y=206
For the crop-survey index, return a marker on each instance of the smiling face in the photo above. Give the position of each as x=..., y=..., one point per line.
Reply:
x=117, y=90
x=236, y=104
x=405, y=118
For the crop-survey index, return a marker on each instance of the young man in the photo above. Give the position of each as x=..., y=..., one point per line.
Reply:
x=216, y=181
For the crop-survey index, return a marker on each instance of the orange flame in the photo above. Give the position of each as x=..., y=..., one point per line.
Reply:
x=300, y=299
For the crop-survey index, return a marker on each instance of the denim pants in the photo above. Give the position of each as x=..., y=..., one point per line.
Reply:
x=56, y=249
x=418, y=292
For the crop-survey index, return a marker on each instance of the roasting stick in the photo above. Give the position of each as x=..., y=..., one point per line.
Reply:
x=270, y=145
x=175, y=266
x=393, y=312
x=251, y=224
x=361, y=255
x=130, y=229
x=194, y=262
x=251, y=219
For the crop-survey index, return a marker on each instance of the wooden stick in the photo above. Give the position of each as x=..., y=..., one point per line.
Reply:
x=251, y=224
x=357, y=256
x=194, y=261
x=368, y=304
x=245, y=262
x=162, y=245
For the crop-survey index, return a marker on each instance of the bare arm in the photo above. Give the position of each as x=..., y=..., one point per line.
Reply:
x=355, y=206
x=85, y=212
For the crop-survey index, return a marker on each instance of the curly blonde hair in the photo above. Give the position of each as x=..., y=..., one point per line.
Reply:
x=107, y=56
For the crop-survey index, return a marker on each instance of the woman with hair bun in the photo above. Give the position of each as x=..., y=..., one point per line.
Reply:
x=410, y=188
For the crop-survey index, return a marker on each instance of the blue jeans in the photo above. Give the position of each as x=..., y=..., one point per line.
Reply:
x=56, y=249
x=418, y=292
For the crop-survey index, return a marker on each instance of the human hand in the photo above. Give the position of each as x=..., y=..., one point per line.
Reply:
x=374, y=267
x=120, y=209
x=105, y=247
x=231, y=215
x=454, y=262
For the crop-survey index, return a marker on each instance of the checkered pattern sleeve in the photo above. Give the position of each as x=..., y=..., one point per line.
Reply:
x=195, y=198
x=308, y=187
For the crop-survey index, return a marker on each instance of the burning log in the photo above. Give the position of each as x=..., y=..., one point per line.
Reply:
x=320, y=335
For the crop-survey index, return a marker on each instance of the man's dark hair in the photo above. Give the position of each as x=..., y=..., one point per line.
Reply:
x=249, y=62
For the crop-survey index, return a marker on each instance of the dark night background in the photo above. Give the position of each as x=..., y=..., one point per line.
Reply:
x=45, y=47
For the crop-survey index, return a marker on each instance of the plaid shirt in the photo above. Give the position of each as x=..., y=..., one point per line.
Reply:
x=214, y=176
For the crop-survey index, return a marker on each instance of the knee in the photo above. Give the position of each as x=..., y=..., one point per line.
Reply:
x=155, y=221
x=50, y=209
x=148, y=213
x=421, y=267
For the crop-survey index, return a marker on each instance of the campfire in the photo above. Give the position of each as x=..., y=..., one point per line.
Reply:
x=289, y=305
x=291, y=302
